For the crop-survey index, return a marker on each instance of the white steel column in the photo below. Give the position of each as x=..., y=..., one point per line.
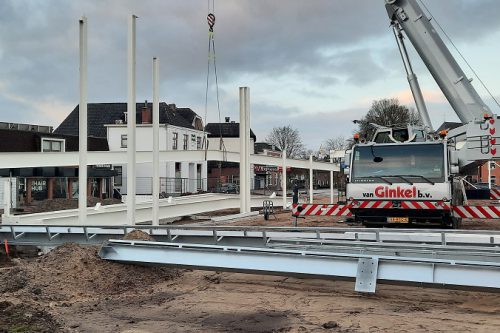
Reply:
x=131, y=114
x=283, y=180
x=311, y=179
x=331, y=183
x=7, y=197
x=156, y=141
x=204, y=175
x=245, y=150
x=82, y=126
x=489, y=174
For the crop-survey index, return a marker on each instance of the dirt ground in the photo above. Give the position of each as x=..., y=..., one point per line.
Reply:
x=71, y=289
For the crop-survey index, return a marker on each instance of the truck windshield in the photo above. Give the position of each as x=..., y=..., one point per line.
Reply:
x=419, y=160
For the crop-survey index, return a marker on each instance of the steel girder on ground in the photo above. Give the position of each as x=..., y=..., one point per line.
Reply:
x=117, y=214
x=356, y=239
x=366, y=269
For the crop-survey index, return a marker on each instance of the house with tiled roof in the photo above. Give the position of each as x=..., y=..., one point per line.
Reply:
x=180, y=129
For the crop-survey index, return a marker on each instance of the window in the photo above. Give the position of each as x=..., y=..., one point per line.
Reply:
x=377, y=162
x=124, y=141
x=119, y=176
x=52, y=145
x=493, y=180
x=175, y=141
x=185, y=144
x=198, y=142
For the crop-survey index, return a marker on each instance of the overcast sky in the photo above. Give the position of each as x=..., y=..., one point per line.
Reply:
x=315, y=65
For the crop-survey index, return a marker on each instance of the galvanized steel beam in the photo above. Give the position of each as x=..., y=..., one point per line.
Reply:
x=430, y=271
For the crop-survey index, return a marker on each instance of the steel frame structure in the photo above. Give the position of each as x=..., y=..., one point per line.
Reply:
x=50, y=235
x=366, y=268
x=434, y=257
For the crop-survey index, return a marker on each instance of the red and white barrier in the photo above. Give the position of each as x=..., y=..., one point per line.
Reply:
x=494, y=194
x=477, y=212
x=321, y=210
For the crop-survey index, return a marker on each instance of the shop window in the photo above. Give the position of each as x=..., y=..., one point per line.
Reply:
x=119, y=176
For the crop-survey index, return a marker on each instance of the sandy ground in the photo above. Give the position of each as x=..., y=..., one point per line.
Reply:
x=121, y=299
x=71, y=290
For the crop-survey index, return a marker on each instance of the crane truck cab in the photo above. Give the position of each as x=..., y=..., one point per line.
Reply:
x=403, y=176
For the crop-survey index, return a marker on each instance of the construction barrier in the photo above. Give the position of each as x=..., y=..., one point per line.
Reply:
x=320, y=210
x=477, y=212
x=494, y=194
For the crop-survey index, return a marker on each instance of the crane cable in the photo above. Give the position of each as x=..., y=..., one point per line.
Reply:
x=212, y=59
x=460, y=53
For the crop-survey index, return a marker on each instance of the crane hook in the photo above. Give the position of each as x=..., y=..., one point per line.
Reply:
x=211, y=21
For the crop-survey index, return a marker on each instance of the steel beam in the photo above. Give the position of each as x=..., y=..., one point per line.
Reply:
x=82, y=126
x=38, y=159
x=403, y=242
x=156, y=141
x=436, y=272
x=131, y=121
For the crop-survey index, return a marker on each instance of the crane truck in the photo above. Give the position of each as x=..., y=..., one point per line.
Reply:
x=410, y=174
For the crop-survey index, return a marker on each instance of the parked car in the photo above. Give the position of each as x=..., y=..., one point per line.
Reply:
x=229, y=188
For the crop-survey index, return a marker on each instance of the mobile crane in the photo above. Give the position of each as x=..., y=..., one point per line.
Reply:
x=411, y=174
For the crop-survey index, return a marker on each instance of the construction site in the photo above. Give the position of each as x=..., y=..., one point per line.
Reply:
x=391, y=233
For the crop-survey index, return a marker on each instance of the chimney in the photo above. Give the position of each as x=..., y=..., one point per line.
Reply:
x=146, y=114
x=227, y=119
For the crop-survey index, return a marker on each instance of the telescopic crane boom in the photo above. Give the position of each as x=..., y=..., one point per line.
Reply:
x=452, y=81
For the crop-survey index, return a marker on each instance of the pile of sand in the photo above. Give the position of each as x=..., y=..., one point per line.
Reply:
x=138, y=235
x=72, y=270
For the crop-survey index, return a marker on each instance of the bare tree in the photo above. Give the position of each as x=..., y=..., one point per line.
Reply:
x=335, y=143
x=288, y=137
x=387, y=112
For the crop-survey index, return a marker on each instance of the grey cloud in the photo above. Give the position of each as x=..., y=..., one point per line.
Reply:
x=267, y=39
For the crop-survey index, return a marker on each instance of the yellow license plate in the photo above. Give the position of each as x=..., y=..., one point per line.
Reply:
x=398, y=220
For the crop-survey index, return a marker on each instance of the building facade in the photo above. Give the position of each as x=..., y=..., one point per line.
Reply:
x=180, y=129
x=226, y=136
x=47, y=183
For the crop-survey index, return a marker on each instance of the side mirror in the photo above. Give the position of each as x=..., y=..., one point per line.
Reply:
x=347, y=158
x=454, y=158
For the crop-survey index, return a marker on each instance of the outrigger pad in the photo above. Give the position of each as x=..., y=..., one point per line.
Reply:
x=366, y=277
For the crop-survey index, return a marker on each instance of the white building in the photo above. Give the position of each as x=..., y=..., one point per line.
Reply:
x=180, y=129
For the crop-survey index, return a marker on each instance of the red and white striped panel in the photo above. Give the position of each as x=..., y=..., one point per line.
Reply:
x=425, y=205
x=321, y=210
x=477, y=212
x=403, y=204
x=494, y=194
x=372, y=204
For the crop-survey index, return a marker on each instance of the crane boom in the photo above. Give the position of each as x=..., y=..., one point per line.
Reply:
x=451, y=79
